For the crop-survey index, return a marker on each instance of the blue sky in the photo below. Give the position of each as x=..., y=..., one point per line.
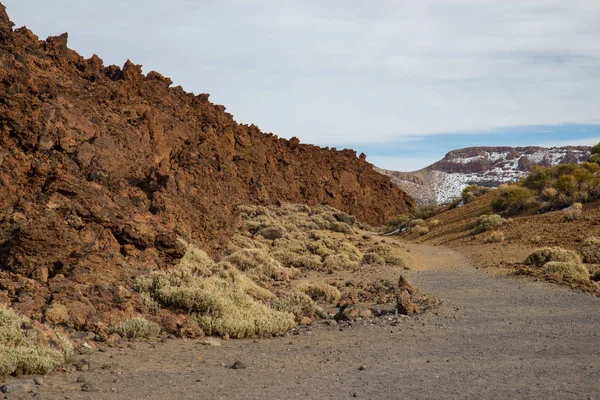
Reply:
x=405, y=81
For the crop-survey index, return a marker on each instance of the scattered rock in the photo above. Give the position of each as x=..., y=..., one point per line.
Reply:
x=23, y=385
x=88, y=387
x=362, y=367
x=238, y=365
x=211, y=341
x=347, y=312
x=82, y=365
x=81, y=379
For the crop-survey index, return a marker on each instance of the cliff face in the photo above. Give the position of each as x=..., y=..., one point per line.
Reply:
x=103, y=168
x=444, y=180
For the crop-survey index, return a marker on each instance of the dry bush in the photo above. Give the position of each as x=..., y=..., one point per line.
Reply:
x=345, y=218
x=272, y=232
x=319, y=291
x=495, y=237
x=386, y=253
x=29, y=349
x=489, y=223
x=415, y=222
x=398, y=220
x=137, y=328
x=573, y=213
x=511, y=199
x=373, y=259
x=472, y=192
x=341, y=227
x=537, y=239
x=434, y=222
x=425, y=211
x=297, y=303
x=549, y=194
x=340, y=261
x=257, y=263
x=419, y=230
x=567, y=270
x=544, y=255
x=223, y=300
x=590, y=250
x=308, y=262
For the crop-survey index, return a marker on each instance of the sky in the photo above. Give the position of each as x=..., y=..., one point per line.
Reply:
x=402, y=81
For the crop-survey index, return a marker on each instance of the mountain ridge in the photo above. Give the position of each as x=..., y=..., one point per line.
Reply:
x=488, y=166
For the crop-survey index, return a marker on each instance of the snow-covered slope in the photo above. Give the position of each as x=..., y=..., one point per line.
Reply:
x=444, y=180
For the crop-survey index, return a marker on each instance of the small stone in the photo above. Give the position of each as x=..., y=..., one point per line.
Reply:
x=23, y=385
x=38, y=381
x=362, y=367
x=81, y=379
x=82, y=365
x=238, y=365
x=88, y=387
x=210, y=341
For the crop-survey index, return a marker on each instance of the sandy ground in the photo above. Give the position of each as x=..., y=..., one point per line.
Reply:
x=493, y=337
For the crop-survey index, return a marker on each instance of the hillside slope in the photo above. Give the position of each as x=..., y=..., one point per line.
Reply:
x=444, y=180
x=103, y=168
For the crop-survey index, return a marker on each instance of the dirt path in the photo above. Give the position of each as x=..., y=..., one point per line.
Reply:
x=492, y=338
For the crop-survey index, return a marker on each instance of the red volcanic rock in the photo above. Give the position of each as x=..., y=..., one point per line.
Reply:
x=102, y=169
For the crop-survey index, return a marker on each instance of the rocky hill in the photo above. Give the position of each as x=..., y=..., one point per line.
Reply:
x=103, y=168
x=444, y=180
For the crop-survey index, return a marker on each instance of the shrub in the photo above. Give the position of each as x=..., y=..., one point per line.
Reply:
x=415, y=222
x=495, y=237
x=307, y=261
x=30, y=349
x=137, y=328
x=223, y=300
x=511, y=199
x=341, y=227
x=345, y=218
x=257, y=263
x=336, y=262
x=319, y=291
x=544, y=255
x=373, y=258
x=385, y=252
x=296, y=303
x=420, y=230
x=573, y=213
x=425, y=211
x=567, y=270
x=590, y=250
x=434, y=222
x=398, y=220
x=272, y=232
x=489, y=223
x=471, y=192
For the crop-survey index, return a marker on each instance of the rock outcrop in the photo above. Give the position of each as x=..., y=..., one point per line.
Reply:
x=102, y=169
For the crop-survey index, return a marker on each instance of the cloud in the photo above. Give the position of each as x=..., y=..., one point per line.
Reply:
x=348, y=71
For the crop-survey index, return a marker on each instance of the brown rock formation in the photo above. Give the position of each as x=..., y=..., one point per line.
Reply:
x=103, y=168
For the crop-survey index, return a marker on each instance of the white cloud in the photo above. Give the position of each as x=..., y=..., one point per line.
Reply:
x=401, y=163
x=591, y=141
x=351, y=71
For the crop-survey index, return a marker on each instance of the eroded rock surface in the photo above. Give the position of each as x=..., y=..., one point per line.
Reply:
x=103, y=168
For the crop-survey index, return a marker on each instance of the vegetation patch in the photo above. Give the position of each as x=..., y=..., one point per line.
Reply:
x=386, y=253
x=590, y=250
x=567, y=270
x=495, y=237
x=489, y=223
x=28, y=348
x=547, y=254
x=512, y=199
x=319, y=291
x=223, y=300
x=296, y=303
x=137, y=328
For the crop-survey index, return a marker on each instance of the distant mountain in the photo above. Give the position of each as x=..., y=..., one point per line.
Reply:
x=444, y=180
